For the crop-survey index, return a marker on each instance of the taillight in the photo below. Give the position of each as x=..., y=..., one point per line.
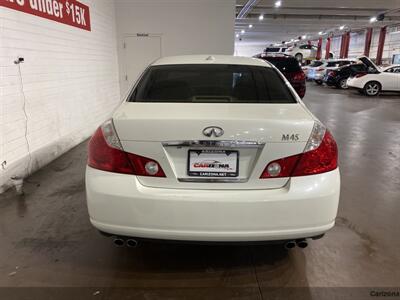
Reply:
x=299, y=76
x=360, y=75
x=320, y=155
x=105, y=153
x=332, y=73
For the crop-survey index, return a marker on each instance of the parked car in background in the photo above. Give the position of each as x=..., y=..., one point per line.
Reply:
x=305, y=52
x=237, y=158
x=314, y=64
x=339, y=76
x=376, y=79
x=272, y=49
x=290, y=68
x=317, y=73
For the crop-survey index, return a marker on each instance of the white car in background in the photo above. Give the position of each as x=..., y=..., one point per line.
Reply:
x=317, y=73
x=274, y=50
x=313, y=65
x=306, y=52
x=213, y=148
x=376, y=80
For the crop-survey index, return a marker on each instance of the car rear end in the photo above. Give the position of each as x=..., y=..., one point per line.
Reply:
x=309, y=69
x=217, y=150
x=291, y=69
x=332, y=77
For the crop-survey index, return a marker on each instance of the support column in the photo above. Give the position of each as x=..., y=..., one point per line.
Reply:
x=319, y=49
x=381, y=45
x=368, y=39
x=327, y=47
x=346, y=45
x=341, y=46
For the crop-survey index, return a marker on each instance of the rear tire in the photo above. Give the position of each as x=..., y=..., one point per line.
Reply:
x=299, y=57
x=343, y=84
x=372, y=88
x=319, y=82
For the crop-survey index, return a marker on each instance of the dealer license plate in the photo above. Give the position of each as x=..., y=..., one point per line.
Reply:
x=213, y=163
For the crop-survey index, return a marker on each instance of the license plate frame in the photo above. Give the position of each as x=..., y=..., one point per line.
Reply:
x=224, y=173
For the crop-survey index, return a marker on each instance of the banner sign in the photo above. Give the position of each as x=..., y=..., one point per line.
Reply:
x=70, y=12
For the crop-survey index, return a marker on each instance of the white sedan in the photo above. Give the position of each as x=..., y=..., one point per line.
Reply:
x=213, y=148
x=305, y=52
x=376, y=80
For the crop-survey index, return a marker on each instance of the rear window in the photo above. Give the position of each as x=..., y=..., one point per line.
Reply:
x=338, y=63
x=316, y=63
x=271, y=49
x=211, y=84
x=285, y=64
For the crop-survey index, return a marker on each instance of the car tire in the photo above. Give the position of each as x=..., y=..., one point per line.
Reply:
x=299, y=57
x=372, y=88
x=319, y=82
x=343, y=84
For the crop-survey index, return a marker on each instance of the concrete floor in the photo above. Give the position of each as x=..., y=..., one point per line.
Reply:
x=47, y=240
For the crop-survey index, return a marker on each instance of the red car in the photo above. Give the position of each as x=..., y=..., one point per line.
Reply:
x=290, y=67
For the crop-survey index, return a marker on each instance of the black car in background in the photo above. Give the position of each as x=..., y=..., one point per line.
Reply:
x=290, y=68
x=339, y=76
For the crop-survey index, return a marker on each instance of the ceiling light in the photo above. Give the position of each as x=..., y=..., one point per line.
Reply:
x=261, y=17
x=372, y=20
x=278, y=3
x=237, y=35
x=341, y=27
x=303, y=37
x=321, y=33
x=242, y=31
x=250, y=25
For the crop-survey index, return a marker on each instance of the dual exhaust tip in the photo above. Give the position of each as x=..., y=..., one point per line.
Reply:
x=120, y=242
x=299, y=243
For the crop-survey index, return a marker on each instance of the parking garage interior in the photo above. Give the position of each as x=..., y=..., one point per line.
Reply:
x=61, y=79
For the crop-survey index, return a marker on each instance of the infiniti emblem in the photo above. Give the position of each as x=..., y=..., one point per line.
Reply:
x=213, y=131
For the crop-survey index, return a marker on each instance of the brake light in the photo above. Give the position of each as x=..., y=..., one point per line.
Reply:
x=332, y=73
x=320, y=155
x=360, y=75
x=299, y=76
x=105, y=153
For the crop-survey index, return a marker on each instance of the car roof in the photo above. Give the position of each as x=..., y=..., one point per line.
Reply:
x=391, y=66
x=210, y=59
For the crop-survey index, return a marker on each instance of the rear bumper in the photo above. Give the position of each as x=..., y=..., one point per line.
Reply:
x=354, y=84
x=330, y=81
x=315, y=76
x=119, y=204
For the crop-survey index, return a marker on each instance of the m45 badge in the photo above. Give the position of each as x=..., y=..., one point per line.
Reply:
x=290, y=137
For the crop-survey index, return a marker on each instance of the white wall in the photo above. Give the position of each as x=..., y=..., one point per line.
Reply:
x=68, y=85
x=185, y=26
x=249, y=49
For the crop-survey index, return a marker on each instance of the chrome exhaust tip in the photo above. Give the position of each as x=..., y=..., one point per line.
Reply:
x=290, y=245
x=302, y=244
x=118, y=242
x=131, y=243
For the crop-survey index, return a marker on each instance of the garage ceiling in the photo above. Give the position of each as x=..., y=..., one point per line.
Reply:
x=307, y=17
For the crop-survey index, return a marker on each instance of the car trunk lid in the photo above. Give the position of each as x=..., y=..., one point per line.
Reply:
x=254, y=134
